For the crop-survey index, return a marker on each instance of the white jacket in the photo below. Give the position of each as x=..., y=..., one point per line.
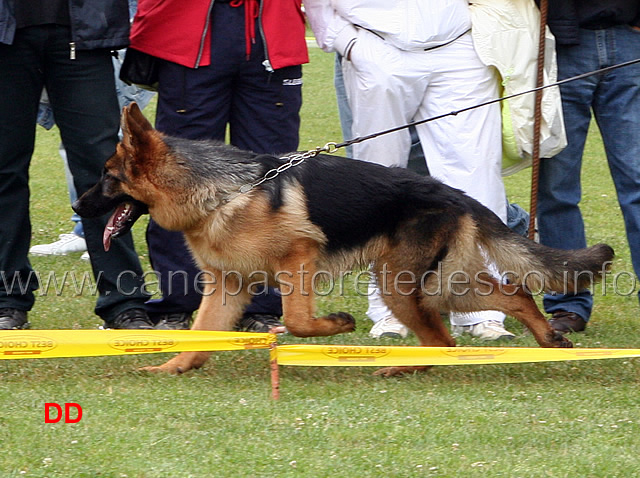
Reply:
x=406, y=24
x=505, y=35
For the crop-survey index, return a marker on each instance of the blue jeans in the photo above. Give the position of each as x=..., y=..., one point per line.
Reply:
x=78, y=230
x=614, y=99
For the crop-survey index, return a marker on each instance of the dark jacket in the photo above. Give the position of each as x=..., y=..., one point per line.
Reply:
x=565, y=17
x=94, y=23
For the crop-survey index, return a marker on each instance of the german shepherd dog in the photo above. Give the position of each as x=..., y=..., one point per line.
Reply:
x=329, y=214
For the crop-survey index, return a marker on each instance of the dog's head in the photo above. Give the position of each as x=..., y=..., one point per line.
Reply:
x=122, y=185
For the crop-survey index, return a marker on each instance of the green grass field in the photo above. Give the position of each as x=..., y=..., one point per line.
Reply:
x=571, y=419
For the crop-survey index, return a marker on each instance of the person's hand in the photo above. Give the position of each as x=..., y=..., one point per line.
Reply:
x=635, y=28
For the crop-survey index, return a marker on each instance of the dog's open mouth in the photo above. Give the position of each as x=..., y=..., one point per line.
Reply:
x=121, y=221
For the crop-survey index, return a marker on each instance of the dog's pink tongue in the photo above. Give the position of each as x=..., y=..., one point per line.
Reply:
x=109, y=230
x=106, y=234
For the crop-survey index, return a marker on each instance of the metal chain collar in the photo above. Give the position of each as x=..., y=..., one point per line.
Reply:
x=293, y=160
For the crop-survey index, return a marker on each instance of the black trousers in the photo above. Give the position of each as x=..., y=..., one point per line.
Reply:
x=261, y=109
x=83, y=97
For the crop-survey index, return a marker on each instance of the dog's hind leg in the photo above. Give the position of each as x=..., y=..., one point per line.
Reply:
x=216, y=312
x=423, y=320
x=514, y=301
x=298, y=298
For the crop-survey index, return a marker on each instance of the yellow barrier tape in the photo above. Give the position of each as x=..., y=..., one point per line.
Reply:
x=23, y=344
x=361, y=355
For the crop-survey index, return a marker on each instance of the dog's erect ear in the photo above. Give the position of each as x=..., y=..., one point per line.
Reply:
x=135, y=126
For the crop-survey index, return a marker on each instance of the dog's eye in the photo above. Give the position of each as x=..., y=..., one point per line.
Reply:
x=109, y=176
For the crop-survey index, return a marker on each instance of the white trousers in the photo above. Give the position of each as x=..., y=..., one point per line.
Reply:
x=389, y=87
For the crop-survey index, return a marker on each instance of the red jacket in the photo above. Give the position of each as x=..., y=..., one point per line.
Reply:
x=178, y=31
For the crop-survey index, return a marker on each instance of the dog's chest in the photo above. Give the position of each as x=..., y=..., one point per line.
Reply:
x=241, y=248
x=250, y=235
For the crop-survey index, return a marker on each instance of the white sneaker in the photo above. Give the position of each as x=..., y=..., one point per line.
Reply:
x=487, y=330
x=389, y=327
x=66, y=244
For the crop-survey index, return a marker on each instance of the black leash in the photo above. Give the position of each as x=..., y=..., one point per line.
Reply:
x=294, y=159
x=497, y=100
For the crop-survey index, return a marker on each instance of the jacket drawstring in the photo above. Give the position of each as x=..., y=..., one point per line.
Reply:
x=251, y=10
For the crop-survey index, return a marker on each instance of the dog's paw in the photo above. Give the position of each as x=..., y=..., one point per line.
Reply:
x=389, y=372
x=344, y=321
x=558, y=340
x=399, y=371
x=181, y=363
x=161, y=369
x=565, y=343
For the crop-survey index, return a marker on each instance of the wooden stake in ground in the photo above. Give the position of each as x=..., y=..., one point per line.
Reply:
x=275, y=374
x=537, y=118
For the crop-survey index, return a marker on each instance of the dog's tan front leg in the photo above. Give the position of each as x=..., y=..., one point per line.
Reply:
x=222, y=304
x=298, y=296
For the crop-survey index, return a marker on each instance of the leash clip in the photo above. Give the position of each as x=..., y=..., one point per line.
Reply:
x=329, y=148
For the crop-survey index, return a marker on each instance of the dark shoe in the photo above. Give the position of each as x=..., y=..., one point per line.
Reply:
x=261, y=323
x=567, y=322
x=130, y=319
x=13, y=319
x=175, y=321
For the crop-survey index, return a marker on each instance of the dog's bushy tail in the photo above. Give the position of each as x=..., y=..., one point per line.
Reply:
x=538, y=267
